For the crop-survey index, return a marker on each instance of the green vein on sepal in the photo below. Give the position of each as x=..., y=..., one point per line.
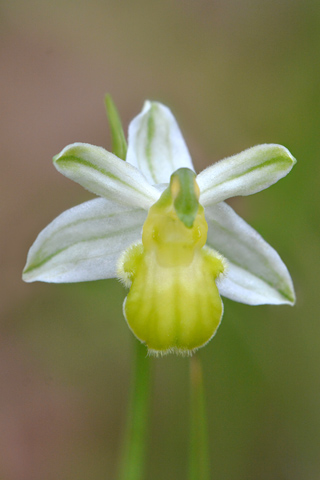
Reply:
x=67, y=160
x=286, y=293
x=280, y=162
x=151, y=128
x=37, y=262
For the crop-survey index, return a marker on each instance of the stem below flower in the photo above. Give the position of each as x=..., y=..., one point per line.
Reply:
x=134, y=448
x=199, y=468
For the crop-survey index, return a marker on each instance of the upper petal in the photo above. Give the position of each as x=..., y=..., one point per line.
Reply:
x=156, y=145
x=256, y=273
x=83, y=243
x=106, y=175
x=245, y=173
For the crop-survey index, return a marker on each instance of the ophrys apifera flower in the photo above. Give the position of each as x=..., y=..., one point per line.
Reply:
x=165, y=232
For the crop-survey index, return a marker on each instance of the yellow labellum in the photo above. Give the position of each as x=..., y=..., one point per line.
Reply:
x=173, y=304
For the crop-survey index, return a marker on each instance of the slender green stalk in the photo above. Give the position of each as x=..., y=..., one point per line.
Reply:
x=199, y=468
x=134, y=449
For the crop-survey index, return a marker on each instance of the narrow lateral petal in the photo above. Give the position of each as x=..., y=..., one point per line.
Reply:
x=155, y=144
x=256, y=273
x=106, y=175
x=245, y=173
x=84, y=243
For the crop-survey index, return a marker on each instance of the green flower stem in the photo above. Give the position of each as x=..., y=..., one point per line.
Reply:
x=199, y=468
x=134, y=449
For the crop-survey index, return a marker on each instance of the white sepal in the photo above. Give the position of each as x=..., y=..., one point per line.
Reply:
x=256, y=274
x=106, y=175
x=245, y=173
x=155, y=144
x=83, y=243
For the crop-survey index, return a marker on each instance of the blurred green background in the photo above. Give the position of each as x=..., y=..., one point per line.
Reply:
x=235, y=74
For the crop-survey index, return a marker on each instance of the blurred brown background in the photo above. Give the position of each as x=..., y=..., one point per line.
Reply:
x=235, y=74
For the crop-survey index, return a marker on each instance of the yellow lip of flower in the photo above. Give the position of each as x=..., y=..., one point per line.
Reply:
x=173, y=304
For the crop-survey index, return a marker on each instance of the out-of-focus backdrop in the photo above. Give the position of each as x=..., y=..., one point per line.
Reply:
x=235, y=74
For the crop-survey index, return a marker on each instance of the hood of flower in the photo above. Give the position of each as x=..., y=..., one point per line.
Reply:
x=176, y=227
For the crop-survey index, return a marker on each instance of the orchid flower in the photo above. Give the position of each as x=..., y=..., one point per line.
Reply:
x=165, y=232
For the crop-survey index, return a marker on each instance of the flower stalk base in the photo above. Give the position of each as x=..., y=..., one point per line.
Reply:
x=132, y=464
